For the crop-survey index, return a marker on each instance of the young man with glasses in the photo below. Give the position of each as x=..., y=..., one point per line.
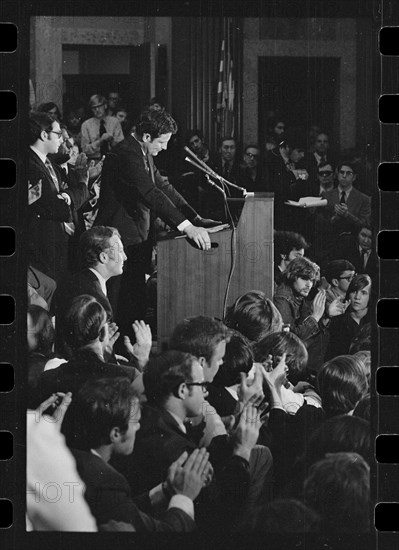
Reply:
x=101, y=132
x=176, y=388
x=339, y=274
x=252, y=176
x=50, y=216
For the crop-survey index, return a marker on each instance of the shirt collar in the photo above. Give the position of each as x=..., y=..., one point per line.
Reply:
x=179, y=421
x=100, y=278
x=41, y=155
x=347, y=191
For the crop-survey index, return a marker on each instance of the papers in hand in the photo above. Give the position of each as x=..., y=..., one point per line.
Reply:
x=308, y=202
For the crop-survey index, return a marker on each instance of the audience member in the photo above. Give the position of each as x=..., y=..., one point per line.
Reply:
x=109, y=414
x=346, y=327
x=40, y=331
x=275, y=133
x=338, y=488
x=113, y=103
x=359, y=248
x=339, y=274
x=341, y=383
x=52, y=110
x=307, y=319
x=251, y=177
x=101, y=132
x=287, y=246
x=50, y=217
x=254, y=316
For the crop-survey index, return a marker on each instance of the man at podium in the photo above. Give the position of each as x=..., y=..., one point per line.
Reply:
x=133, y=192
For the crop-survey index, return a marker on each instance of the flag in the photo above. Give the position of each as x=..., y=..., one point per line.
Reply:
x=225, y=108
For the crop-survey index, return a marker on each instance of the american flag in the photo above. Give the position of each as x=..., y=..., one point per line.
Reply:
x=225, y=90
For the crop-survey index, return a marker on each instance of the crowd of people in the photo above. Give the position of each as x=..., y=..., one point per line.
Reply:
x=258, y=422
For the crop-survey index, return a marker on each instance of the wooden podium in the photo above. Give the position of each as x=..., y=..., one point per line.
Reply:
x=193, y=282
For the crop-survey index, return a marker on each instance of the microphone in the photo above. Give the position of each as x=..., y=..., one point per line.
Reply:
x=209, y=170
x=206, y=175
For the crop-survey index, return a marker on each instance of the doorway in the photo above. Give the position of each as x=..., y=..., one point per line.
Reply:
x=304, y=91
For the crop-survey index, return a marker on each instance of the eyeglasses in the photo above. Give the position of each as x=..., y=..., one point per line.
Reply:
x=97, y=106
x=325, y=173
x=280, y=127
x=345, y=173
x=59, y=134
x=348, y=278
x=252, y=155
x=204, y=385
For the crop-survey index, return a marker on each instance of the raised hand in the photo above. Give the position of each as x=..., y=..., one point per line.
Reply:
x=336, y=307
x=278, y=376
x=251, y=390
x=113, y=334
x=142, y=347
x=247, y=432
x=319, y=303
x=58, y=404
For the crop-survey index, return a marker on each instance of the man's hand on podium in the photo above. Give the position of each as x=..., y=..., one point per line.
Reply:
x=205, y=222
x=199, y=236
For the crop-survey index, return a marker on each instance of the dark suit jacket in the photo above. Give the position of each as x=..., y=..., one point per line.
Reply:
x=129, y=194
x=109, y=498
x=82, y=282
x=348, y=249
x=359, y=208
x=46, y=237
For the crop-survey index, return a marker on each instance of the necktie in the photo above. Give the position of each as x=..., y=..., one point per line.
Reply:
x=53, y=174
x=343, y=198
x=104, y=144
x=363, y=254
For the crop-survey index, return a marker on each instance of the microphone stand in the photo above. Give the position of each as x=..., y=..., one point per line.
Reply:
x=207, y=175
x=210, y=172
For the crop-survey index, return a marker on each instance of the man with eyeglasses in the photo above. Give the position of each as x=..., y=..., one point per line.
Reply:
x=101, y=132
x=251, y=178
x=339, y=274
x=49, y=217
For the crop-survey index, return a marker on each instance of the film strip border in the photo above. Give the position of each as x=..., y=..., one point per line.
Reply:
x=14, y=98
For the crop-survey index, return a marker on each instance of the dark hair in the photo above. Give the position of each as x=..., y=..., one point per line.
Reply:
x=364, y=225
x=164, y=373
x=101, y=405
x=37, y=123
x=84, y=321
x=335, y=268
x=226, y=138
x=251, y=146
x=238, y=358
x=343, y=433
x=348, y=163
x=284, y=515
x=342, y=383
x=284, y=342
x=191, y=133
x=199, y=336
x=272, y=122
x=301, y=267
x=155, y=122
x=285, y=241
x=254, y=315
x=46, y=107
x=363, y=408
x=325, y=163
x=43, y=330
x=94, y=241
x=338, y=488
x=358, y=283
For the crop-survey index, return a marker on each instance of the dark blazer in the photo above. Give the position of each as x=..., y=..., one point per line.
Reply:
x=130, y=193
x=82, y=282
x=108, y=496
x=47, y=240
x=359, y=209
x=343, y=330
x=348, y=249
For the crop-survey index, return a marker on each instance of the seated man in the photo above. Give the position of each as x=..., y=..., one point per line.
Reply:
x=175, y=389
x=252, y=178
x=101, y=132
x=347, y=209
x=90, y=341
x=360, y=250
x=109, y=417
x=287, y=246
x=338, y=274
x=306, y=319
